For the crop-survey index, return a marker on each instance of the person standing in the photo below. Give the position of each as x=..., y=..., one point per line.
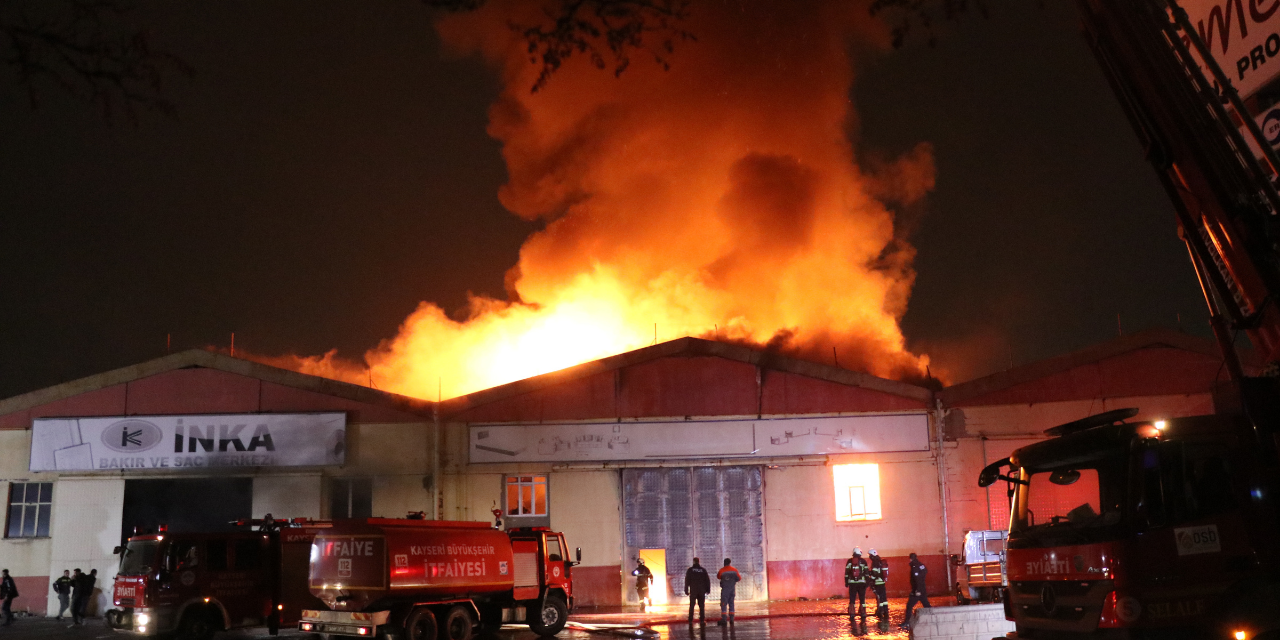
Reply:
x=91, y=583
x=79, y=596
x=919, y=594
x=697, y=584
x=729, y=578
x=644, y=578
x=62, y=587
x=8, y=591
x=855, y=577
x=876, y=579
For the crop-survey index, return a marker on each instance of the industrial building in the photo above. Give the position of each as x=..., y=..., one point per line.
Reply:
x=690, y=447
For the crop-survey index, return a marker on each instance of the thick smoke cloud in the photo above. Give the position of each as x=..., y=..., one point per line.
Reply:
x=720, y=198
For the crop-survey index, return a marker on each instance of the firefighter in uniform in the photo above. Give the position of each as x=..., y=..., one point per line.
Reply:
x=919, y=574
x=876, y=577
x=855, y=577
x=644, y=578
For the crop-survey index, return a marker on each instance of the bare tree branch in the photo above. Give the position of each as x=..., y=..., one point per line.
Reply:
x=86, y=48
x=910, y=13
x=608, y=32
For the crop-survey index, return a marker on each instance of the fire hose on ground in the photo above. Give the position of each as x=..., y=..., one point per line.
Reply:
x=620, y=630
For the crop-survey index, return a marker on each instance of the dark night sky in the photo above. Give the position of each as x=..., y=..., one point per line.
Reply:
x=329, y=169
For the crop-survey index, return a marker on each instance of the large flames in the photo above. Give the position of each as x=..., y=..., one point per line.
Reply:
x=719, y=199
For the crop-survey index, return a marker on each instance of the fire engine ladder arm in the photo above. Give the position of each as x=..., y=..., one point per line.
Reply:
x=1222, y=196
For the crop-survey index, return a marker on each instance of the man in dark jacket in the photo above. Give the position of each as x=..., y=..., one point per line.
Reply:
x=8, y=591
x=855, y=577
x=79, y=596
x=919, y=574
x=62, y=587
x=697, y=584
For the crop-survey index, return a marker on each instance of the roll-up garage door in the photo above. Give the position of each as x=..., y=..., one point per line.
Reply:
x=709, y=512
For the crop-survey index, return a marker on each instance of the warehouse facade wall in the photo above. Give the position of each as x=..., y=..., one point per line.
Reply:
x=694, y=387
x=385, y=459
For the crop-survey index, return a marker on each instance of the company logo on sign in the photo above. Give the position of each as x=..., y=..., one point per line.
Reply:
x=131, y=436
x=502, y=567
x=1128, y=609
x=1271, y=126
x=1193, y=540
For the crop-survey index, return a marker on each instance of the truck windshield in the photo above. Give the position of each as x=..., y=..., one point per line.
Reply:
x=1083, y=496
x=139, y=557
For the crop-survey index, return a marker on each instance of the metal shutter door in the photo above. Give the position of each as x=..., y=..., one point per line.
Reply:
x=709, y=512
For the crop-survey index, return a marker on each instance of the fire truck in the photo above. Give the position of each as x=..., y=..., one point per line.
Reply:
x=425, y=579
x=1168, y=528
x=195, y=584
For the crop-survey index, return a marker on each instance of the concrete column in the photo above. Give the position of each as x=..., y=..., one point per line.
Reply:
x=87, y=516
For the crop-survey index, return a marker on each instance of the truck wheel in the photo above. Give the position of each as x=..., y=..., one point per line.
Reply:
x=457, y=624
x=550, y=620
x=421, y=625
x=196, y=625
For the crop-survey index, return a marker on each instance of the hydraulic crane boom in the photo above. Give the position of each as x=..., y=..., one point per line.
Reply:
x=1224, y=196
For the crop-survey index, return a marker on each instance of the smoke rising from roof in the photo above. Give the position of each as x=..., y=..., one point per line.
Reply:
x=719, y=199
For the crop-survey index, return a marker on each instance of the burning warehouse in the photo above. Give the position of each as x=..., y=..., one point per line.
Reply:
x=689, y=447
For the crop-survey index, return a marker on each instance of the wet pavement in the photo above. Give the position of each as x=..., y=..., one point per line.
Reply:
x=789, y=620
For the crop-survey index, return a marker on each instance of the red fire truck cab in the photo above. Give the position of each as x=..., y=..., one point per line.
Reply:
x=1141, y=529
x=198, y=583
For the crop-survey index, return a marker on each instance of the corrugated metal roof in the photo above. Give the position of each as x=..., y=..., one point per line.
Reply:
x=686, y=347
x=960, y=394
x=221, y=362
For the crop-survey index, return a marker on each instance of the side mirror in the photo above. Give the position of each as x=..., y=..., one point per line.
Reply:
x=578, y=559
x=1064, y=477
x=991, y=472
x=116, y=551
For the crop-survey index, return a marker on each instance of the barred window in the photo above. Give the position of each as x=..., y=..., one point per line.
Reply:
x=526, y=495
x=29, y=507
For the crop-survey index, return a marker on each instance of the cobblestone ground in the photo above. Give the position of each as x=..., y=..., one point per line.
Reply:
x=808, y=620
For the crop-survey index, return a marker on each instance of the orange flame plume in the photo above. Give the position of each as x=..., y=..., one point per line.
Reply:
x=718, y=199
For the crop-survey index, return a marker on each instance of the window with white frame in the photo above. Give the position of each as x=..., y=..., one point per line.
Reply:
x=526, y=495
x=857, y=492
x=30, y=504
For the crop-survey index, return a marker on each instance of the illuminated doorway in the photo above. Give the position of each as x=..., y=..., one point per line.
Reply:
x=656, y=560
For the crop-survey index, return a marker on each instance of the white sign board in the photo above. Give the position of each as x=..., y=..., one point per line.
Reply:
x=188, y=442
x=1242, y=35
x=564, y=442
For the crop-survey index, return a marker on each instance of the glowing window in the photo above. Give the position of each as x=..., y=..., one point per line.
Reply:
x=526, y=495
x=857, y=491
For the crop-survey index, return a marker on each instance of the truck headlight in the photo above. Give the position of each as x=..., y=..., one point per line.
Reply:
x=141, y=619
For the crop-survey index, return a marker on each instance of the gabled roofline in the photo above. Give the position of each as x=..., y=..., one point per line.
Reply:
x=685, y=347
x=1158, y=337
x=200, y=358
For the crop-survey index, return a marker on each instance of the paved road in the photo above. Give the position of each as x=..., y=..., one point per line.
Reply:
x=809, y=627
